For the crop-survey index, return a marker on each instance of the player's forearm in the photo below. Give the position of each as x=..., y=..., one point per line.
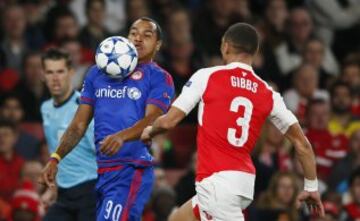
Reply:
x=306, y=156
x=70, y=139
x=134, y=132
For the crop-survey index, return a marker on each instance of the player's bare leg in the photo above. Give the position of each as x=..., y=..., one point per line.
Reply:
x=183, y=213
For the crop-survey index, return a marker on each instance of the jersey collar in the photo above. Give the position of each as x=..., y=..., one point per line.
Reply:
x=65, y=101
x=241, y=65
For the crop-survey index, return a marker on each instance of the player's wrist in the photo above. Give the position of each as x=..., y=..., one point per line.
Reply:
x=311, y=185
x=54, y=157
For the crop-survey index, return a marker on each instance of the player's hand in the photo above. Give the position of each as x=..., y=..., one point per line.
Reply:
x=145, y=136
x=48, y=174
x=48, y=197
x=111, y=144
x=313, y=202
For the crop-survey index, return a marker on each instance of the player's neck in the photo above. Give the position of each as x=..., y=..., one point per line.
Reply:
x=58, y=100
x=239, y=58
x=145, y=60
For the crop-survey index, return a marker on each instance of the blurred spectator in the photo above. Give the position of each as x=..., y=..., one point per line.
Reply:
x=31, y=171
x=134, y=9
x=25, y=204
x=5, y=210
x=273, y=29
x=280, y=197
x=163, y=202
x=9, y=78
x=242, y=10
x=79, y=59
x=328, y=148
x=115, y=13
x=342, y=120
x=314, y=52
x=14, y=45
x=35, y=18
x=10, y=162
x=351, y=75
x=210, y=24
x=181, y=59
x=342, y=170
x=330, y=15
x=61, y=24
x=305, y=87
x=352, y=210
x=94, y=31
x=11, y=109
x=288, y=54
x=185, y=188
x=270, y=156
x=31, y=89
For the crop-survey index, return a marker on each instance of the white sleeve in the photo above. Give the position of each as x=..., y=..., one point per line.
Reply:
x=280, y=116
x=192, y=92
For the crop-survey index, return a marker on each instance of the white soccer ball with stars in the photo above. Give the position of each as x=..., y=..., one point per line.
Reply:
x=116, y=56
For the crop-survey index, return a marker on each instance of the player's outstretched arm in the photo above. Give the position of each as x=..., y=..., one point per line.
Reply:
x=306, y=156
x=69, y=140
x=112, y=143
x=163, y=123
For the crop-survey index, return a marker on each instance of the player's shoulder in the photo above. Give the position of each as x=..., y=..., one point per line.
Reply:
x=46, y=105
x=158, y=72
x=93, y=72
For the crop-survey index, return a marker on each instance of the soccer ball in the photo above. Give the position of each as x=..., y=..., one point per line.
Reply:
x=116, y=56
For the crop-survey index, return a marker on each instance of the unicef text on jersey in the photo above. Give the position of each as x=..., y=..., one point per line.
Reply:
x=132, y=92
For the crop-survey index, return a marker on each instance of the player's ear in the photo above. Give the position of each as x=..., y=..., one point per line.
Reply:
x=71, y=71
x=158, y=45
x=224, y=47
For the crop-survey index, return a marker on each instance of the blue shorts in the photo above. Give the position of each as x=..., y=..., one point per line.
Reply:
x=123, y=192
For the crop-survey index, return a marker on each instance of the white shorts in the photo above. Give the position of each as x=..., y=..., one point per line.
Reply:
x=214, y=202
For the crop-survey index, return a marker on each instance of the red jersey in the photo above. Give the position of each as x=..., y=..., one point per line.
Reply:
x=328, y=149
x=9, y=176
x=234, y=104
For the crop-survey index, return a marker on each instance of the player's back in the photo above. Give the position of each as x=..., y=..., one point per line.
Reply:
x=234, y=106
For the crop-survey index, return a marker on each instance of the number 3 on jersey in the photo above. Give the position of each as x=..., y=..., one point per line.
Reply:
x=243, y=122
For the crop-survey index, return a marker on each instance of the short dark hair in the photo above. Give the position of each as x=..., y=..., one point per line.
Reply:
x=339, y=84
x=159, y=33
x=8, y=96
x=7, y=124
x=243, y=37
x=56, y=54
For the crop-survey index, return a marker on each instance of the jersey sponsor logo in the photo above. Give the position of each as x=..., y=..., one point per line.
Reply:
x=137, y=75
x=110, y=92
x=134, y=93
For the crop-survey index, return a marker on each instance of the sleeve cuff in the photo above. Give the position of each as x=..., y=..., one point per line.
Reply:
x=86, y=100
x=159, y=104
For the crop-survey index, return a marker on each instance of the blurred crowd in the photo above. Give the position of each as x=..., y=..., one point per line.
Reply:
x=310, y=53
